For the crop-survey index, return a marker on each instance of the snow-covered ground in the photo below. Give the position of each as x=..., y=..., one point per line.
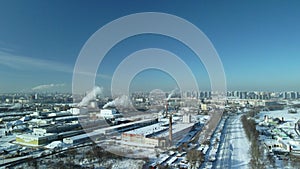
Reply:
x=240, y=144
x=292, y=117
x=125, y=164
x=234, y=150
x=288, y=127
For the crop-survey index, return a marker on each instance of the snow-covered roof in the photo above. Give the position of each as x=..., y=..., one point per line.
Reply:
x=148, y=130
x=177, y=127
x=54, y=144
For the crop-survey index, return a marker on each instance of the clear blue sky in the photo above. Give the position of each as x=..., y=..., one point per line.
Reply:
x=257, y=41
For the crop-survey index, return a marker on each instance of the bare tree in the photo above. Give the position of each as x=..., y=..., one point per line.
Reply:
x=194, y=156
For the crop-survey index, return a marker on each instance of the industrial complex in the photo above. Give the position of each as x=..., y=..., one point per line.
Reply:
x=166, y=134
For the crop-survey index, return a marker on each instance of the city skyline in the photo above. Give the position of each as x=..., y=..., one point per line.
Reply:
x=256, y=42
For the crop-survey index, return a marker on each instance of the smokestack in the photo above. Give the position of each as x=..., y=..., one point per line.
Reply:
x=170, y=129
x=170, y=123
x=167, y=106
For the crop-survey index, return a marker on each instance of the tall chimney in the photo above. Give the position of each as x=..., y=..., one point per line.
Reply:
x=170, y=129
x=170, y=123
x=167, y=106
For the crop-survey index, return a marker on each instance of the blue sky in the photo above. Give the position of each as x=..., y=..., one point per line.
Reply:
x=257, y=41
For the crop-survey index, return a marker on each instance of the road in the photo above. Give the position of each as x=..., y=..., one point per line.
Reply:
x=234, y=150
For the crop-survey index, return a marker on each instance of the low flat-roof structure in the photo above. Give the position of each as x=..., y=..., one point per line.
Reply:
x=157, y=134
x=35, y=139
x=108, y=131
x=148, y=130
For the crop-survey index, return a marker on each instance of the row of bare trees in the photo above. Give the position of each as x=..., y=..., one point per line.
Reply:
x=256, y=149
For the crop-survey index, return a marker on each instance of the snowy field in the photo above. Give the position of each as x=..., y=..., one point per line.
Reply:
x=291, y=117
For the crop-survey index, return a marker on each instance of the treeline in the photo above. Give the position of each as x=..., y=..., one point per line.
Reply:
x=256, y=150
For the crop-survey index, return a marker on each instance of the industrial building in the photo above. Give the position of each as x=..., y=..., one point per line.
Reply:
x=44, y=135
x=56, y=128
x=78, y=139
x=143, y=135
x=157, y=134
x=109, y=114
x=35, y=139
x=179, y=131
x=108, y=131
x=166, y=132
x=78, y=111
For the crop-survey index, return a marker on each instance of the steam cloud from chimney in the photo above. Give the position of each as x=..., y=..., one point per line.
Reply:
x=172, y=93
x=122, y=101
x=91, y=96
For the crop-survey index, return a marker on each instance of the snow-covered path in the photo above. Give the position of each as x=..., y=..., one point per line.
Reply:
x=240, y=144
x=234, y=151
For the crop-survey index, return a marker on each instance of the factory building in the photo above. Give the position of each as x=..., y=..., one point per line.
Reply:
x=77, y=111
x=143, y=135
x=78, y=139
x=179, y=131
x=56, y=128
x=35, y=139
x=109, y=114
x=157, y=135
x=44, y=135
x=99, y=133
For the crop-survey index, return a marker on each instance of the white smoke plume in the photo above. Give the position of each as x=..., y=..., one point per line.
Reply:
x=48, y=86
x=122, y=101
x=91, y=96
x=171, y=94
